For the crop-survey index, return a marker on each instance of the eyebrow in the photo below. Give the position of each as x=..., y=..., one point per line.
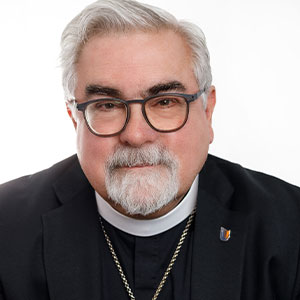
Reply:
x=166, y=87
x=96, y=89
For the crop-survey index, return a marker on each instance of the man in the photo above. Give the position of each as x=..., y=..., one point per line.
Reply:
x=142, y=211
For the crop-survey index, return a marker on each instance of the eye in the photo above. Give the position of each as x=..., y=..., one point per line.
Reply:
x=165, y=102
x=105, y=105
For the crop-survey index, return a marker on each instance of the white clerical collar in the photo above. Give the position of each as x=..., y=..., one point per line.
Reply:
x=150, y=227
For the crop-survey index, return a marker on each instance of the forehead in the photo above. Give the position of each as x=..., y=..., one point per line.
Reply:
x=135, y=60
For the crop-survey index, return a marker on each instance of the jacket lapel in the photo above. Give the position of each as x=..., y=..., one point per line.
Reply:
x=71, y=240
x=217, y=265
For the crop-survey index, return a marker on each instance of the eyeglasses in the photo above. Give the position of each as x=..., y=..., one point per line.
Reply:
x=167, y=112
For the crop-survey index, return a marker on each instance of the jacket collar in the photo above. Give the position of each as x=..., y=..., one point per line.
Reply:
x=71, y=181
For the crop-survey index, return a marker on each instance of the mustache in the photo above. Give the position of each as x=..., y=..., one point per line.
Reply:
x=151, y=155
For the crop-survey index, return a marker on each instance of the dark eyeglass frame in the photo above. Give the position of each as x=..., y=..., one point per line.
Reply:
x=188, y=98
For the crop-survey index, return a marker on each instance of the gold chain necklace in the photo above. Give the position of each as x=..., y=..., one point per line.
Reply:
x=169, y=268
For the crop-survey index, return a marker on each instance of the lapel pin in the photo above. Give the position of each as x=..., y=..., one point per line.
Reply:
x=224, y=234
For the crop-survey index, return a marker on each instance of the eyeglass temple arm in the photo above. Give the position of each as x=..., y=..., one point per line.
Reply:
x=197, y=95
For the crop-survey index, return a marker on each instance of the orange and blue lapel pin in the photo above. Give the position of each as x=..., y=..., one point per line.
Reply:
x=225, y=234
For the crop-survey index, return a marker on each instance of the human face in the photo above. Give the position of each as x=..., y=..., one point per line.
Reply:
x=131, y=66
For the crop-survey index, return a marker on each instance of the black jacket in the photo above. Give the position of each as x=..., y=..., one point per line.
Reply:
x=49, y=236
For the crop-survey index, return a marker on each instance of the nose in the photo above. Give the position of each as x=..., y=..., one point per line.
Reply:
x=137, y=131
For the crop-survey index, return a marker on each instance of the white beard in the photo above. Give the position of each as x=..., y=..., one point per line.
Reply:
x=142, y=190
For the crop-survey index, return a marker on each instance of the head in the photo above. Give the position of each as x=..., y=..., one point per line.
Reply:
x=128, y=50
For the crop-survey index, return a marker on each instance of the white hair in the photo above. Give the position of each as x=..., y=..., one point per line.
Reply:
x=110, y=16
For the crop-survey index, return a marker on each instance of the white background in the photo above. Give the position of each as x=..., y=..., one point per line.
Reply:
x=255, y=58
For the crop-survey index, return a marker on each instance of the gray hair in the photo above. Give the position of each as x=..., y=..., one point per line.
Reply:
x=107, y=16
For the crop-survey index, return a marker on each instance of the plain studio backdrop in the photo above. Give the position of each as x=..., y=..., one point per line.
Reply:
x=255, y=59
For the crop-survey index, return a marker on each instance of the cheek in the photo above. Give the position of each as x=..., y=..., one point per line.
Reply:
x=191, y=148
x=93, y=152
x=193, y=151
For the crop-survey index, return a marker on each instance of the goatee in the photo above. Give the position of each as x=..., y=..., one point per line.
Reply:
x=142, y=180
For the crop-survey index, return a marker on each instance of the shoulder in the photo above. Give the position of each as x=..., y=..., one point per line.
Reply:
x=25, y=195
x=253, y=181
x=246, y=176
x=258, y=192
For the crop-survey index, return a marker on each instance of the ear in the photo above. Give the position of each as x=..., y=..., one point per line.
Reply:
x=70, y=113
x=211, y=102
